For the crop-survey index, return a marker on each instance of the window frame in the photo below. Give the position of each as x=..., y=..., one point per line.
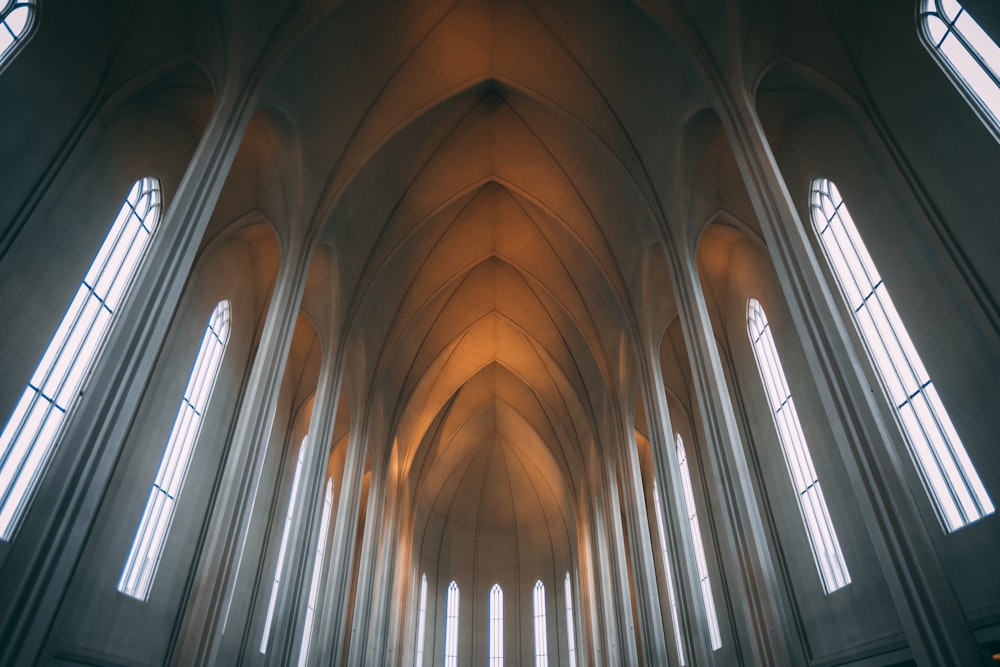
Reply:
x=704, y=576
x=821, y=534
x=927, y=10
x=540, y=624
x=151, y=535
x=63, y=370
x=495, y=657
x=19, y=41
x=875, y=291
x=283, y=545
x=452, y=610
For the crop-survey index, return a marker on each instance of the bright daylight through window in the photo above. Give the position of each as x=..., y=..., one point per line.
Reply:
x=32, y=430
x=937, y=451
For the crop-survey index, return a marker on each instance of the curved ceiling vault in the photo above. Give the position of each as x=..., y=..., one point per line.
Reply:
x=481, y=174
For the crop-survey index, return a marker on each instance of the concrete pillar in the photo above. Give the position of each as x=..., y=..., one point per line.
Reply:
x=209, y=606
x=683, y=564
x=42, y=558
x=621, y=591
x=653, y=642
x=289, y=613
x=371, y=603
x=931, y=615
x=762, y=626
x=328, y=646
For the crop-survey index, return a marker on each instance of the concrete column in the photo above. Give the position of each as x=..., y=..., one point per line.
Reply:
x=209, y=605
x=588, y=634
x=932, y=617
x=621, y=590
x=762, y=626
x=328, y=644
x=683, y=564
x=41, y=560
x=374, y=578
x=653, y=643
x=289, y=612
x=607, y=585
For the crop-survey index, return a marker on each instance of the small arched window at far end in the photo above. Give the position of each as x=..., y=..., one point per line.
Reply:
x=967, y=53
x=17, y=20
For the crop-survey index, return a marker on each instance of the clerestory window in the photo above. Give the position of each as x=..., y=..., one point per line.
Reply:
x=151, y=535
x=671, y=597
x=317, y=574
x=289, y=515
x=570, y=633
x=966, y=53
x=699, y=547
x=28, y=439
x=812, y=504
x=451, y=626
x=541, y=632
x=17, y=20
x=421, y=620
x=938, y=453
x=496, y=626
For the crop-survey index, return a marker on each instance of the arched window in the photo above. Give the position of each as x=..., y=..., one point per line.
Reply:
x=17, y=19
x=421, y=620
x=699, y=548
x=570, y=633
x=541, y=632
x=496, y=626
x=812, y=504
x=948, y=474
x=317, y=574
x=966, y=53
x=451, y=627
x=151, y=536
x=289, y=514
x=31, y=432
x=668, y=574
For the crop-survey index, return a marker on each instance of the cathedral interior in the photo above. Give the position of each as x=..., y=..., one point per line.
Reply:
x=467, y=332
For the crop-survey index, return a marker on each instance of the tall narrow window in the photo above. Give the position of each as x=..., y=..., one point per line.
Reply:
x=966, y=53
x=496, y=626
x=17, y=19
x=31, y=432
x=421, y=621
x=812, y=504
x=281, y=549
x=668, y=574
x=699, y=547
x=151, y=535
x=570, y=633
x=317, y=574
x=948, y=474
x=451, y=627
x=541, y=632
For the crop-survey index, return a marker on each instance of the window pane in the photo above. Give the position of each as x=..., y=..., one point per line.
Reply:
x=31, y=432
x=317, y=574
x=812, y=506
x=144, y=556
x=668, y=574
x=289, y=516
x=16, y=20
x=570, y=633
x=496, y=626
x=541, y=632
x=699, y=547
x=968, y=55
x=451, y=627
x=421, y=621
x=939, y=455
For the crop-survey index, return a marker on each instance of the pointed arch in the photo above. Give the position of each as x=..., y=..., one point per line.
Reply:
x=33, y=429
